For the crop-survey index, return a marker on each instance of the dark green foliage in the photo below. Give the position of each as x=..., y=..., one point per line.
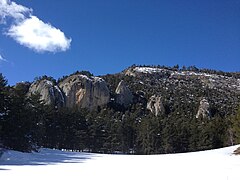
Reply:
x=236, y=127
x=64, y=128
x=46, y=78
x=3, y=95
x=3, y=104
x=19, y=125
x=87, y=73
x=149, y=136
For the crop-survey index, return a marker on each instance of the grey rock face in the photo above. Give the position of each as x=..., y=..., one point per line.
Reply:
x=50, y=94
x=204, y=109
x=123, y=94
x=85, y=92
x=155, y=105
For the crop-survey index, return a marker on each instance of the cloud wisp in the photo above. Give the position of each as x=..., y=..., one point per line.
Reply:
x=2, y=59
x=29, y=31
x=13, y=10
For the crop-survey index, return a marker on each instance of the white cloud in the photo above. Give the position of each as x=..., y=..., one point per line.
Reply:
x=11, y=9
x=39, y=36
x=28, y=30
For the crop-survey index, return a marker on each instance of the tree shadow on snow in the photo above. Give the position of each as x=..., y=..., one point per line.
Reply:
x=3, y=169
x=44, y=157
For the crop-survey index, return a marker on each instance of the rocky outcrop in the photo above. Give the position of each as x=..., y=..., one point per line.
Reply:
x=203, y=109
x=130, y=72
x=155, y=105
x=123, y=94
x=85, y=92
x=50, y=93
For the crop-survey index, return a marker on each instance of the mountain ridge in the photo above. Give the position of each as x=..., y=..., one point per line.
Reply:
x=164, y=82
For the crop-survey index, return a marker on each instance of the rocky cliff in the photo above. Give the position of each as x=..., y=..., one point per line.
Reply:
x=50, y=93
x=203, y=109
x=85, y=92
x=123, y=94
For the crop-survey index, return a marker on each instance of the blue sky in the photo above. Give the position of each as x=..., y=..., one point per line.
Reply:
x=56, y=38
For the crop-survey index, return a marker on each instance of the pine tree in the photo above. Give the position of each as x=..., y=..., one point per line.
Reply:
x=236, y=127
x=219, y=132
x=20, y=125
x=3, y=105
x=149, y=135
x=37, y=115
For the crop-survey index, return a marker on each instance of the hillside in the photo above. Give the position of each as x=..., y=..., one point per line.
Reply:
x=137, y=84
x=218, y=164
x=141, y=110
x=181, y=87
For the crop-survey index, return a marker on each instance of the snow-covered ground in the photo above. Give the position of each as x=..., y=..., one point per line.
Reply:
x=218, y=164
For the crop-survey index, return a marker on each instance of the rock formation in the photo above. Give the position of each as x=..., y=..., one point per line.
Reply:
x=155, y=105
x=85, y=92
x=123, y=94
x=50, y=93
x=203, y=109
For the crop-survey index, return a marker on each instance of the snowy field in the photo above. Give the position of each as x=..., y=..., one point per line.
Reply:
x=218, y=164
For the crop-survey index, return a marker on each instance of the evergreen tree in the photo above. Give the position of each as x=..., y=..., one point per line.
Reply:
x=3, y=105
x=236, y=127
x=219, y=131
x=97, y=134
x=20, y=124
x=37, y=115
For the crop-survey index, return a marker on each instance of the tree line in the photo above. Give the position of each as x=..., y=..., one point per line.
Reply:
x=27, y=124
